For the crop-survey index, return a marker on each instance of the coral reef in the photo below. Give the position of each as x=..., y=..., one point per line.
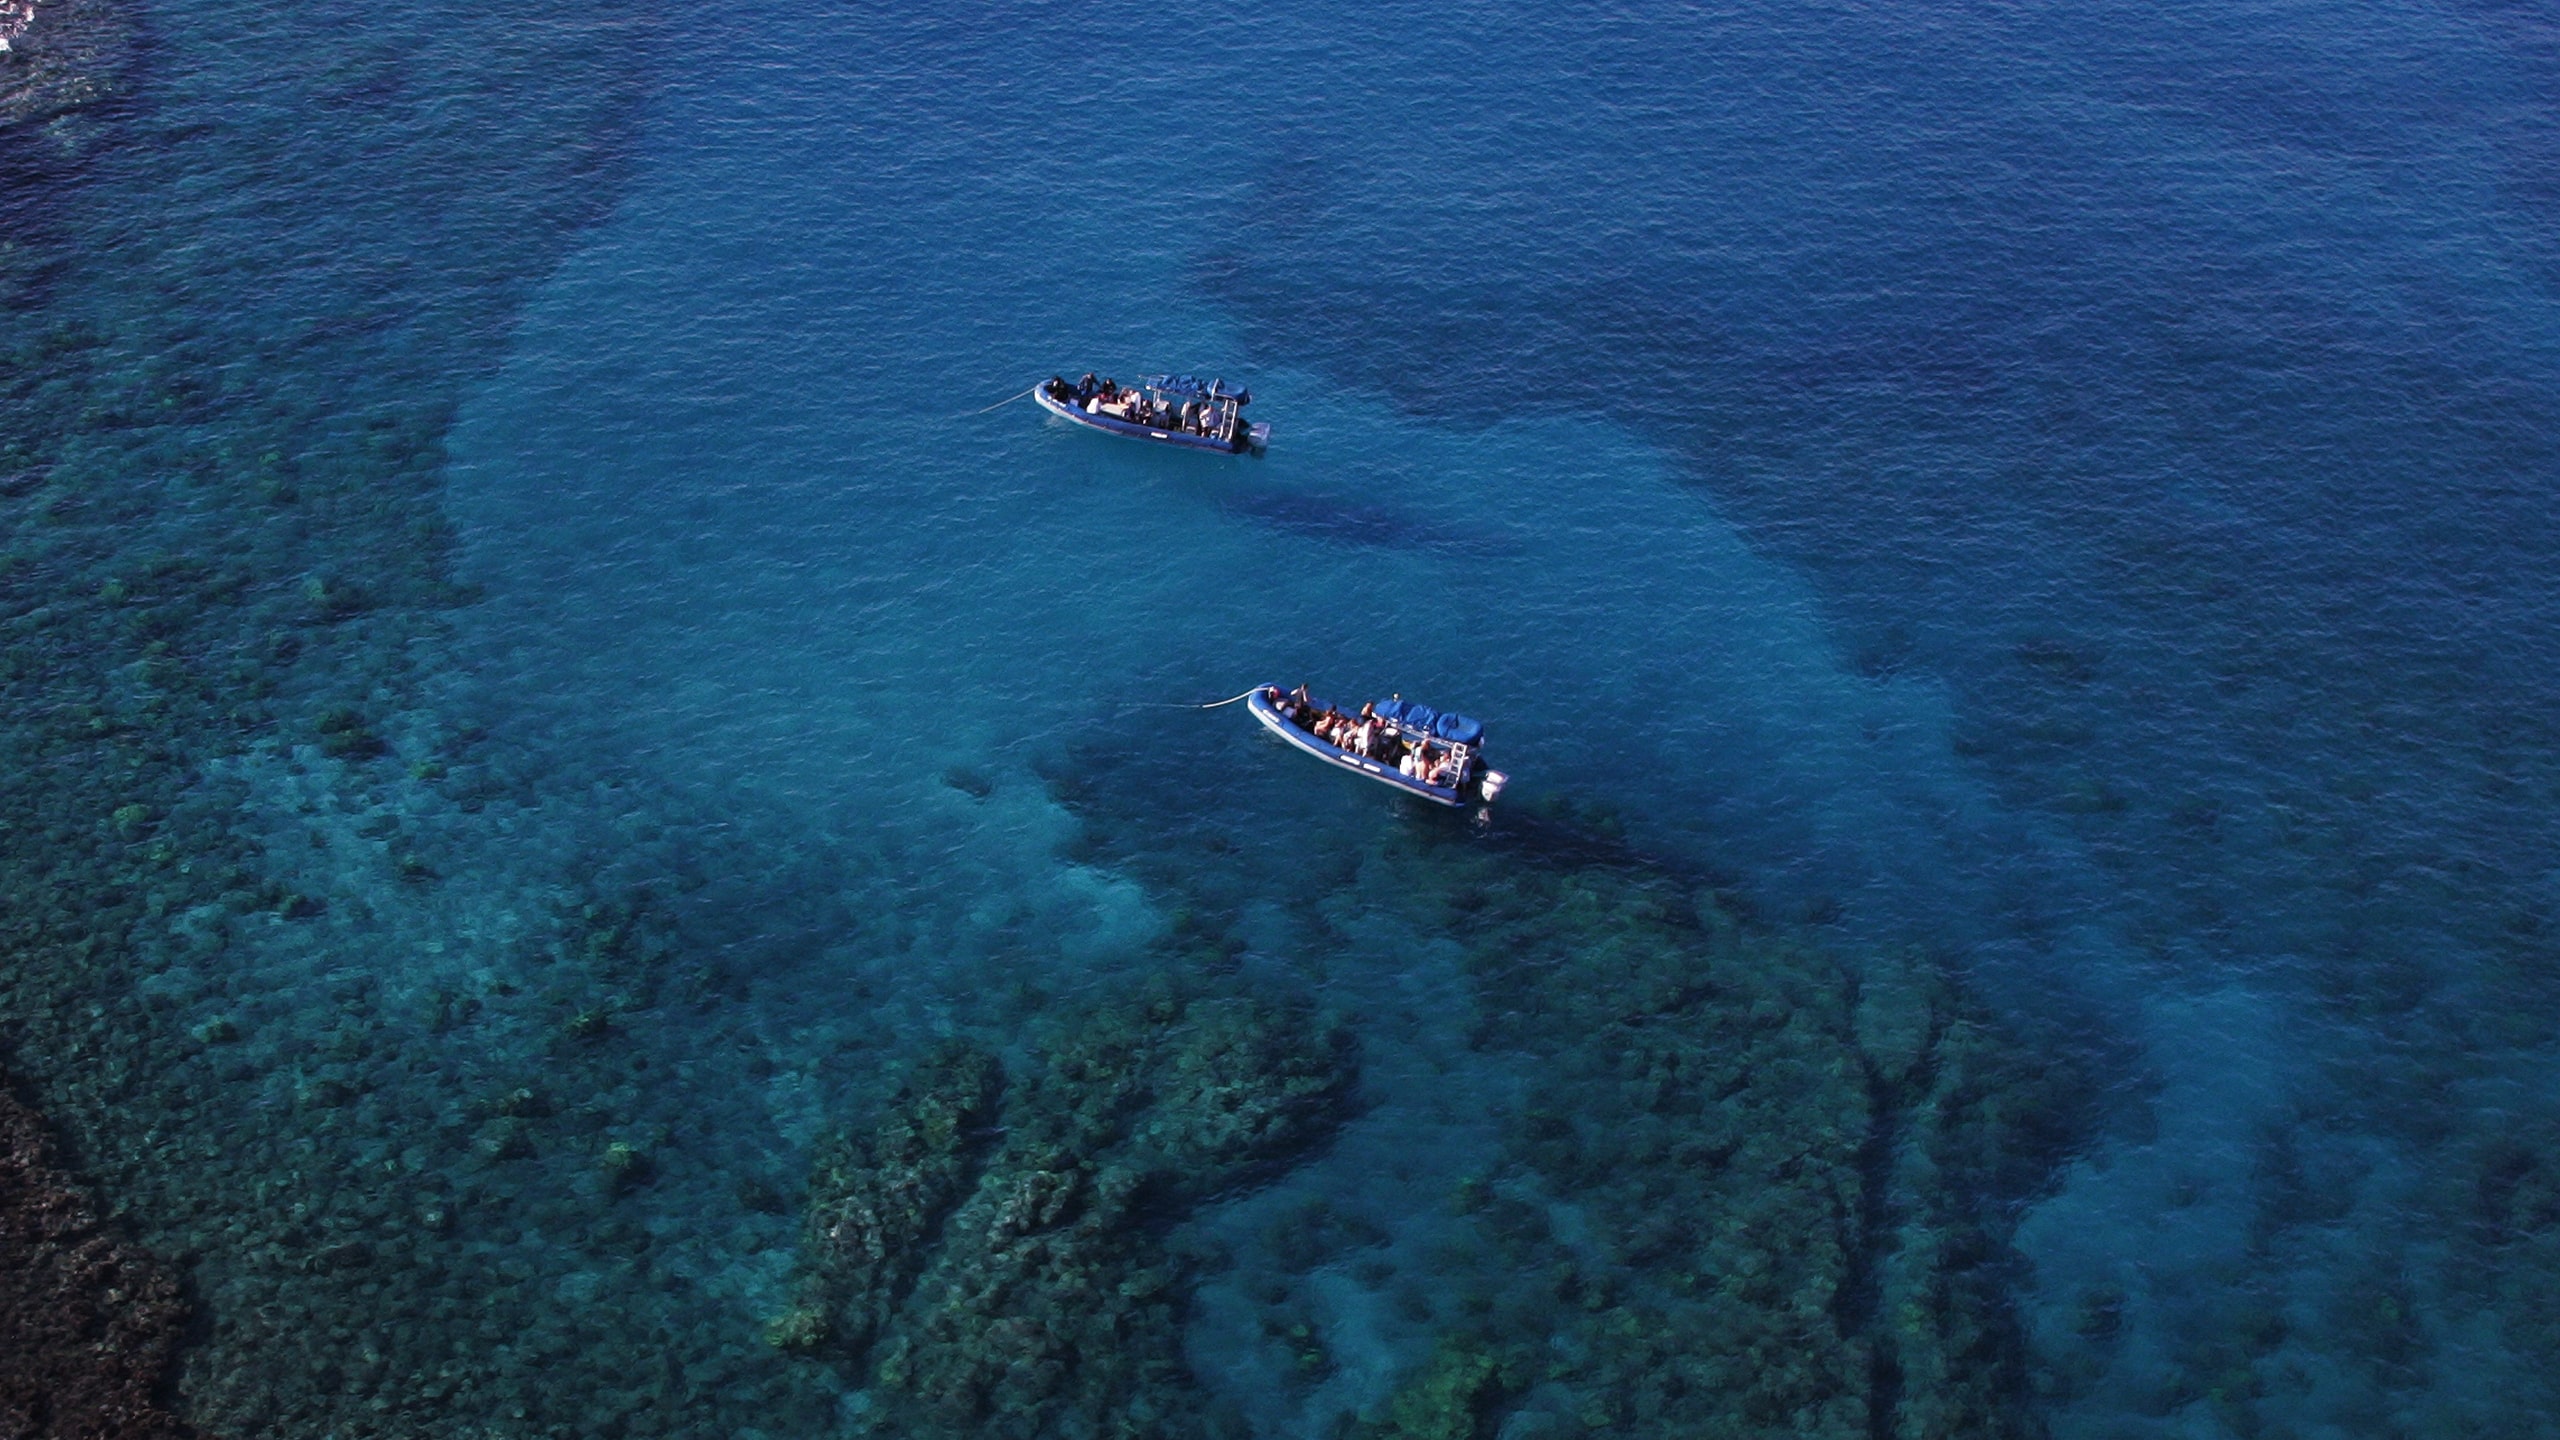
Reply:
x=1014, y=1278
x=878, y=1198
x=1787, y=1168
x=220, y=545
x=1454, y=1396
x=89, y=1325
x=1761, y=1182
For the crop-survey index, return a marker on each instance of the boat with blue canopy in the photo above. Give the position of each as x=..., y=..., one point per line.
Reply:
x=1182, y=410
x=1436, y=755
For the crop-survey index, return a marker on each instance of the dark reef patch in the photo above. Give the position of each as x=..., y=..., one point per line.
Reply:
x=993, y=1257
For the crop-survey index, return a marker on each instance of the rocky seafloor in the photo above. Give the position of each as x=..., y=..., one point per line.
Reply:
x=1761, y=1183
x=990, y=1253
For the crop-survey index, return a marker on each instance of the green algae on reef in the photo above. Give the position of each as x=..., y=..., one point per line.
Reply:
x=992, y=1256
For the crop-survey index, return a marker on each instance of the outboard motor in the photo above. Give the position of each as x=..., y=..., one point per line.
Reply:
x=1491, y=785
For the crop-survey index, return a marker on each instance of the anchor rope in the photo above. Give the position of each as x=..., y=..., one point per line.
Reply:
x=1009, y=399
x=1230, y=700
x=1187, y=705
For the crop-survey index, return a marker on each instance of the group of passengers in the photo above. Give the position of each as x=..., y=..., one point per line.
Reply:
x=1416, y=757
x=1107, y=398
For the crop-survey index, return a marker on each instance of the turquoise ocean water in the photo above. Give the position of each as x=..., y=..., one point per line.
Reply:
x=2058, y=497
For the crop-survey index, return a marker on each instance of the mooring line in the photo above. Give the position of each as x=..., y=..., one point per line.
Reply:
x=1187, y=705
x=1009, y=399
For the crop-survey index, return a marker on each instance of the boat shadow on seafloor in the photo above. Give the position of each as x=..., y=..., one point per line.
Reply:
x=1336, y=519
x=1480, y=785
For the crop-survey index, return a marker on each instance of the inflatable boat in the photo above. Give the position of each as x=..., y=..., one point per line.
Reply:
x=1179, y=410
x=1431, y=754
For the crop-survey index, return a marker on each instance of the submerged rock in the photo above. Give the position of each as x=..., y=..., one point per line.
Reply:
x=1014, y=1279
x=1759, y=1185
x=878, y=1195
x=625, y=1166
x=1786, y=1166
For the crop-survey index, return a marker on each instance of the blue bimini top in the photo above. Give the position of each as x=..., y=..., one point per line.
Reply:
x=1421, y=719
x=1193, y=385
x=1457, y=729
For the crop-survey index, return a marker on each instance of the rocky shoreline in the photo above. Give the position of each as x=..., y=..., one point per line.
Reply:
x=90, y=1323
x=57, y=56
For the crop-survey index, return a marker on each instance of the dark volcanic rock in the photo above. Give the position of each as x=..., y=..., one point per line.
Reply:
x=63, y=56
x=89, y=1324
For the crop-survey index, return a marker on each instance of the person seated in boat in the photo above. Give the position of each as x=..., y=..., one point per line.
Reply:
x=1299, y=699
x=1087, y=387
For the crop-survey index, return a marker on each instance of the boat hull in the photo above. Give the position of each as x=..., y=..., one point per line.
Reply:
x=1255, y=435
x=1387, y=775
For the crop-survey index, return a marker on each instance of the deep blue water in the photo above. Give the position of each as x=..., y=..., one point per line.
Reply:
x=2065, y=489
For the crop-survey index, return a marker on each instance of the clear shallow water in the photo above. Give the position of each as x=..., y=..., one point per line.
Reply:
x=2064, y=491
